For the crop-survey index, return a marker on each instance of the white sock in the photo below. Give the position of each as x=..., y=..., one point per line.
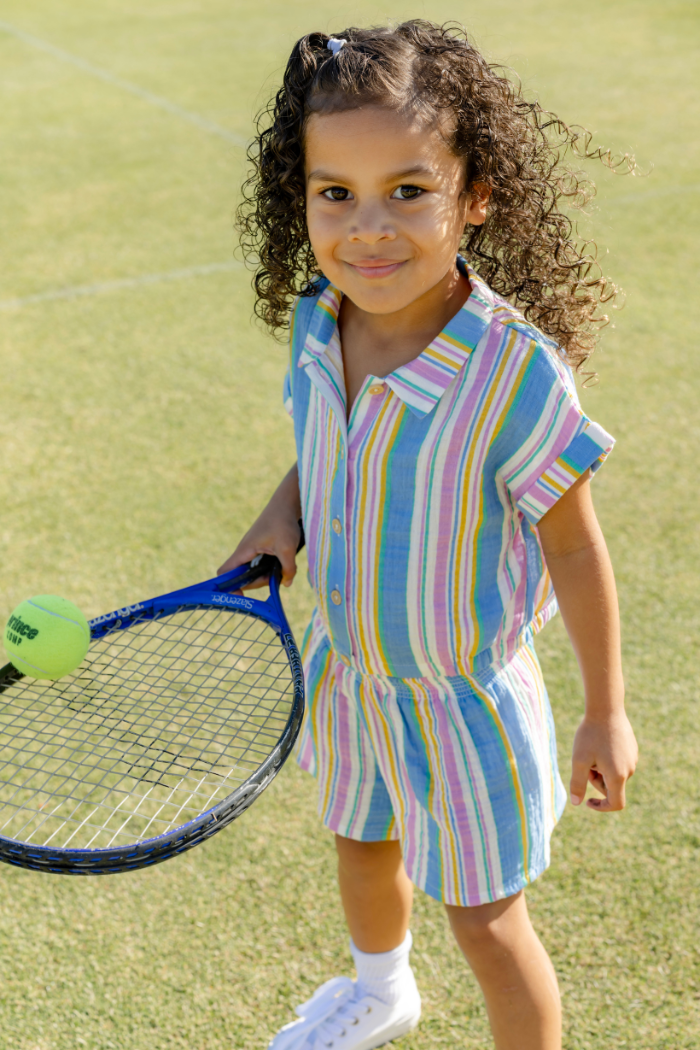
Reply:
x=383, y=974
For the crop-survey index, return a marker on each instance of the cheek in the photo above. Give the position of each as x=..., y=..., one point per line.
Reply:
x=443, y=225
x=456, y=216
x=319, y=228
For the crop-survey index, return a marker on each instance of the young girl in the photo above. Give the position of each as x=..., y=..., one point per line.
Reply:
x=443, y=481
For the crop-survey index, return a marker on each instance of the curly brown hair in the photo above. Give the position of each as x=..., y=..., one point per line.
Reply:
x=527, y=250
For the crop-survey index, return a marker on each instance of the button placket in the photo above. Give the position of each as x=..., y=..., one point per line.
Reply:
x=337, y=568
x=335, y=571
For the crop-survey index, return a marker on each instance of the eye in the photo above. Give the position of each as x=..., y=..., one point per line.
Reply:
x=337, y=193
x=407, y=193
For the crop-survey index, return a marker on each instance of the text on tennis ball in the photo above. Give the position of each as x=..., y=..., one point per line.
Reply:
x=17, y=628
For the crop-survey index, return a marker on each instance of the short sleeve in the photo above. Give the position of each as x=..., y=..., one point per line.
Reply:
x=559, y=442
x=287, y=395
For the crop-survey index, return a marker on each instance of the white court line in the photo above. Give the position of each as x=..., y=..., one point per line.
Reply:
x=100, y=287
x=126, y=85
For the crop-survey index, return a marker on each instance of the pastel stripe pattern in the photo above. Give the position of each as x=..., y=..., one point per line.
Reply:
x=461, y=770
x=421, y=509
x=428, y=719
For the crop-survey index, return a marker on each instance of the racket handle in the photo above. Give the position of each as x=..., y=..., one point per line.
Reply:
x=261, y=565
x=265, y=565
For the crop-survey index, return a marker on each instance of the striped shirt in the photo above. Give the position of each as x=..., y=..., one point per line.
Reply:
x=420, y=508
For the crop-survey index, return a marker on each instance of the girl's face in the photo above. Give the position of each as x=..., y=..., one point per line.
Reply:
x=385, y=205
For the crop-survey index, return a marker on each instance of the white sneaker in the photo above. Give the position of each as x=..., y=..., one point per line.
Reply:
x=338, y=1017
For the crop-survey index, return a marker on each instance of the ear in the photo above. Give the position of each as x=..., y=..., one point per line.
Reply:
x=478, y=197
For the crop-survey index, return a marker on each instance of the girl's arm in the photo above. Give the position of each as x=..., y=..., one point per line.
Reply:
x=605, y=750
x=276, y=531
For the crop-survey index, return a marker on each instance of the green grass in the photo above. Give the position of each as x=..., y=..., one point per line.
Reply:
x=141, y=430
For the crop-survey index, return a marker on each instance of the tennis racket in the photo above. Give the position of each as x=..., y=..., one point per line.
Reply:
x=183, y=711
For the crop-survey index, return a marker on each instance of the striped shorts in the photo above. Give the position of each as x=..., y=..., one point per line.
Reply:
x=461, y=770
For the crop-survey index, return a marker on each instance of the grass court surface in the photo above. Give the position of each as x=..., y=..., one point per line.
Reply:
x=141, y=430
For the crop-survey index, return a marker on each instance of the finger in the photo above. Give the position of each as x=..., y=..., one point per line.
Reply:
x=263, y=580
x=254, y=585
x=615, y=797
x=241, y=556
x=233, y=561
x=288, y=561
x=578, y=783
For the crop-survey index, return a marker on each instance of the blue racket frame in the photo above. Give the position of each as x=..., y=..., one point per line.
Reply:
x=210, y=594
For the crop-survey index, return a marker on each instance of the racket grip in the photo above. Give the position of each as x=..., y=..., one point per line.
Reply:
x=269, y=564
x=261, y=565
x=265, y=565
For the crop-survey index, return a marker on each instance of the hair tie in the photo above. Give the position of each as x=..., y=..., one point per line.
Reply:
x=334, y=45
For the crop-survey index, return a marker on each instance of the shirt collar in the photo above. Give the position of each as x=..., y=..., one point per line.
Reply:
x=421, y=383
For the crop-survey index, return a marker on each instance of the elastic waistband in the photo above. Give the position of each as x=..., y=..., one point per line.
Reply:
x=484, y=667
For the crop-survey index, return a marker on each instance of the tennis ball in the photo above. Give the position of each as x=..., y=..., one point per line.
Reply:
x=46, y=637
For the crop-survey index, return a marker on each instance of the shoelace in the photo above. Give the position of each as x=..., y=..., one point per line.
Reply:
x=324, y=1016
x=338, y=1023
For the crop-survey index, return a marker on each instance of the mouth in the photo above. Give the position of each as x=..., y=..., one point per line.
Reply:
x=373, y=269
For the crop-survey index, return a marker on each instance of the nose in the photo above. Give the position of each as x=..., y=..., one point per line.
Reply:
x=371, y=224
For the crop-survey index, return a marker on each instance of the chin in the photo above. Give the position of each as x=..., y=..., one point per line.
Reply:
x=378, y=300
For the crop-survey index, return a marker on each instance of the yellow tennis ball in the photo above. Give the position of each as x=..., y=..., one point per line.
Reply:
x=47, y=637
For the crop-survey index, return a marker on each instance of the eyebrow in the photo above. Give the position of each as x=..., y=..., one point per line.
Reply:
x=325, y=176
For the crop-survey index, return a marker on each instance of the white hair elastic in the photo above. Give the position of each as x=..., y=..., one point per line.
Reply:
x=334, y=45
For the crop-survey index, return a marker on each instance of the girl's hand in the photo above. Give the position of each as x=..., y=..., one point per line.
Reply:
x=605, y=751
x=605, y=754
x=276, y=531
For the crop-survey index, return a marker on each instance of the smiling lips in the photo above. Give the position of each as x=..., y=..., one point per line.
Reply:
x=375, y=268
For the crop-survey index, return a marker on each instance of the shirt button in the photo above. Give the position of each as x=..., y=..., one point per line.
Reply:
x=337, y=527
x=376, y=388
x=336, y=597
x=345, y=660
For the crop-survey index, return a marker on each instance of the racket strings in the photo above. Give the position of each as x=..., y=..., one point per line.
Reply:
x=132, y=771
x=163, y=720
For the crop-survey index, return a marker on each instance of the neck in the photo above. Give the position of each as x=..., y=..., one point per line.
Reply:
x=415, y=326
